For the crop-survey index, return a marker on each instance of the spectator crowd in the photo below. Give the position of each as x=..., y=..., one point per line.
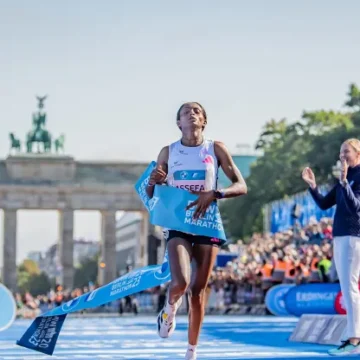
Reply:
x=299, y=255
x=296, y=256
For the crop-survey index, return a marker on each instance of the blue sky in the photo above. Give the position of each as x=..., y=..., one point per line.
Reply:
x=117, y=71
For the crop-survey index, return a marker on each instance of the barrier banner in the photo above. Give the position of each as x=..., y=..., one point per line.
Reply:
x=141, y=185
x=340, y=304
x=167, y=208
x=281, y=218
x=320, y=329
x=309, y=328
x=312, y=299
x=335, y=331
x=275, y=299
x=223, y=259
x=43, y=332
x=8, y=308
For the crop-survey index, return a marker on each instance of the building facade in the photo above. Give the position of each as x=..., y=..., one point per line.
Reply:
x=49, y=261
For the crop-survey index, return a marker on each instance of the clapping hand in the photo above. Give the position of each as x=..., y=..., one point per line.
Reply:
x=309, y=177
x=344, y=168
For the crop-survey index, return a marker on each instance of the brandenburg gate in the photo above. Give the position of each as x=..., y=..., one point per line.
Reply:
x=44, y=179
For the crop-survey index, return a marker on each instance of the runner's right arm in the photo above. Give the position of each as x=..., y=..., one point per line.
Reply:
x=159, y=174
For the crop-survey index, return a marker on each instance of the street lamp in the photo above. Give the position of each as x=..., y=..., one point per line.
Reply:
x=336, y=169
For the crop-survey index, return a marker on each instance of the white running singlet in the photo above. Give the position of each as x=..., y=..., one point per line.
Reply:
x=193, y=168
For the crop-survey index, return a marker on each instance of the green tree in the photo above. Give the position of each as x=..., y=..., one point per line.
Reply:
x=39, y=284
x=354, y=97
x=31, y=279
x=23, y=281
x=314, y=141
x=86, y=272
x=273, y=132
x=29, y=266
x=320, y=122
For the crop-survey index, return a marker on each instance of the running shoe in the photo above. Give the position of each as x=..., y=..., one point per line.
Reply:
x=166, y=319
x=190, y=355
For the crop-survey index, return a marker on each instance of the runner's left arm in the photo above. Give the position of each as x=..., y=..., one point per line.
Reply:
x=238, y=185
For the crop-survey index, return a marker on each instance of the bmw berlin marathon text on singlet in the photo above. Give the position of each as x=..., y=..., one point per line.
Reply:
x=193, y=168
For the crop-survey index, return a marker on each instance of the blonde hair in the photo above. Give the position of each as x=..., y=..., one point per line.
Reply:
x=354, y=143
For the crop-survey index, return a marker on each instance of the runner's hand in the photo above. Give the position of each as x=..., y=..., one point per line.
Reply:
x=202, y=202
x=158, y=176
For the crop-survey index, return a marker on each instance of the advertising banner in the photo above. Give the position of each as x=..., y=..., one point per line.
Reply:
x=8, y=308
x=312, y=299
x=275, y=299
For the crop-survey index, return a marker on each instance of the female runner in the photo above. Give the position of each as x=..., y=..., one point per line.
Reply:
x=192, y=164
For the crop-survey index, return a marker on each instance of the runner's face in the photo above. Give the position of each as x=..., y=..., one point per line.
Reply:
x=191, y=117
